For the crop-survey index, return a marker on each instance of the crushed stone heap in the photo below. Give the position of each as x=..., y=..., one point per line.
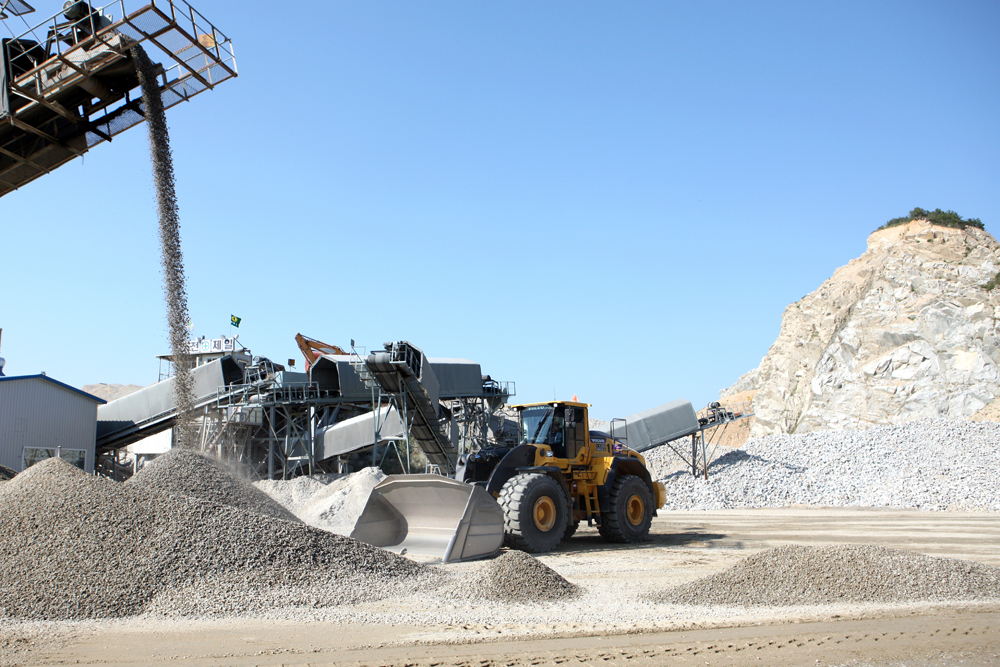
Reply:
x=931, y=464
x=516, y=576
x=77, y=546
x=798, y=575
x=330, y=502
x=181, y=472
x=907, y=330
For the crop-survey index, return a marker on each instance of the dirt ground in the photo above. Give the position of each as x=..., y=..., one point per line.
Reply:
x=683, y=547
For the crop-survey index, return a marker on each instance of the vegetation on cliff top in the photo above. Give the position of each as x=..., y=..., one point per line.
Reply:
x=937, y=217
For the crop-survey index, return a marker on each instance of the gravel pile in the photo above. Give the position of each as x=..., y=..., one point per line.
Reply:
x=181, y=472
x=79, y=546
x=6, y=473
x=931, y=464
x=330, y=502
x=796, y=575
x=518, y=577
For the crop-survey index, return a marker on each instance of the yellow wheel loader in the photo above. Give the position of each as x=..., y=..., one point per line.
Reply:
x=531, y=496
x=563, y=473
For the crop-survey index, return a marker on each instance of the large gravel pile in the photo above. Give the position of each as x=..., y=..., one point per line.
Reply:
x=181, y=472
x=796, y=575
x=515, y=576
x=79, y=546
x=932, y=464
x=330, y=502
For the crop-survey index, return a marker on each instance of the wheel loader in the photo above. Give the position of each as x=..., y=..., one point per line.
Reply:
x=559, y=475
x=562, y=473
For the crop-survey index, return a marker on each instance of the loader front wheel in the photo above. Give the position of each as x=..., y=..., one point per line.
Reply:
x=535, y=512
x=631, y=513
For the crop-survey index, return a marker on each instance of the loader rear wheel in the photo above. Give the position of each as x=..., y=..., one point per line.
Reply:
x=631, y=513
x=535, y=512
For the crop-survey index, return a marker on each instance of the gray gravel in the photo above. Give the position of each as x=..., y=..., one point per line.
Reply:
x=79, y=546
x=181, y=472
x=931, y=464
x=515, y=577
x=797, y=575
x=171, y=257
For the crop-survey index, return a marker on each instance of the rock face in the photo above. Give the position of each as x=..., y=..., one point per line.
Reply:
x=905, y=331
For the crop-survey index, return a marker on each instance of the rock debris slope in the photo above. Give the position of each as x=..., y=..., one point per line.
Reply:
x=516, y=577
x=798, y=575
x=181, y=472
x=905, y=331
x=931, y=464
x=77, y=546
x=110, y=392
x=330, y=502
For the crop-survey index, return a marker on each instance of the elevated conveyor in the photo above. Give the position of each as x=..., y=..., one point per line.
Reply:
x=668, y=423
x=153, y=409
x=357, y=433
x=657, y=426
x=402, y=369
x=69, y=83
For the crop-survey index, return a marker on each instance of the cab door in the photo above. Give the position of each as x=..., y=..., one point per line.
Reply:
x=577, y=430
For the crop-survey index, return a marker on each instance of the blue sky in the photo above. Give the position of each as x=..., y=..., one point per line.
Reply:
x=613, y=200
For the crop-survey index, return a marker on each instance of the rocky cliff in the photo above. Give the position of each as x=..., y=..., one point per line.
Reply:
x=907, y=330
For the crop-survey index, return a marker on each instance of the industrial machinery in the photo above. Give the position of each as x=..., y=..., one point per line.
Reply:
x=313, y=349
x=69, y=82
x=431, y=516
x=559, y=474
x=563, y=473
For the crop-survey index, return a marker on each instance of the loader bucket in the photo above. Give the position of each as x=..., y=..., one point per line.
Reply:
x=430, y=515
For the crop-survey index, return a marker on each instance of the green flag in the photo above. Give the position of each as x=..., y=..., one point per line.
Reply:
x=235, y=321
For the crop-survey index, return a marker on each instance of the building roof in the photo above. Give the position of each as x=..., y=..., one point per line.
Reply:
x=42, y=376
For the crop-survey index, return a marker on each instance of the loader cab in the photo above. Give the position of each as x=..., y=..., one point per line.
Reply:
x=561, y=426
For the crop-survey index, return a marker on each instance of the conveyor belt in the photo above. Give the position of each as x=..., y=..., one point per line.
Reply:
x=152, y=410
x=658, y=426
x=404, y=370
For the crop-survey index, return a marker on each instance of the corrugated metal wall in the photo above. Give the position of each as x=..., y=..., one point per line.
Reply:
x=37, y=413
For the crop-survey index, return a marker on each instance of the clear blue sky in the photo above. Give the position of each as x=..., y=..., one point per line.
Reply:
x=614, y=200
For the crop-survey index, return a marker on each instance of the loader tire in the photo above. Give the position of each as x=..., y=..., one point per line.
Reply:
x=534, y=511
x=631, y=513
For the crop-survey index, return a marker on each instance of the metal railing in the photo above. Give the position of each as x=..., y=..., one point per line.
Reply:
x=493, y=388
x=80, y=46
x=56, y=92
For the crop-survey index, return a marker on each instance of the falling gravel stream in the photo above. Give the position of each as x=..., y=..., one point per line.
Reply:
x=175, y=291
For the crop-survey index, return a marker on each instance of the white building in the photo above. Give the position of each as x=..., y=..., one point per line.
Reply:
x=41, y=418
